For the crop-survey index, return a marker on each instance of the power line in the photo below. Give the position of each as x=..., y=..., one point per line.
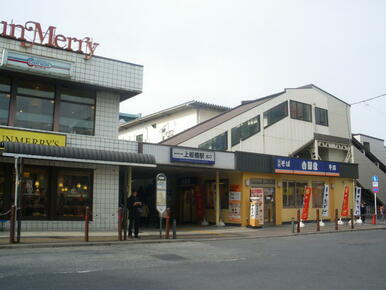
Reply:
x=363, y=101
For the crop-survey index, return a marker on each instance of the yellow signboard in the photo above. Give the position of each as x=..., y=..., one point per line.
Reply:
x=30, y=137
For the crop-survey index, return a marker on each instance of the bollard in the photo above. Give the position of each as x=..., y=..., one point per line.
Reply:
x=352, y=218
x=336, y=219
x=167, y=224
x=86, y=219
x=317, y=220
x=174, y=229
x=298, y=225
x=120, y=219
x=374, y=220
x=293, y=225
x=12, y=225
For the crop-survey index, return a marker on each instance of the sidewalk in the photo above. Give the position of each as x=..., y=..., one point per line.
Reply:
x=184, y=233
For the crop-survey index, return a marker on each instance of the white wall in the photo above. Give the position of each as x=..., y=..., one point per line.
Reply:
x=377, y=146
x=287, y=135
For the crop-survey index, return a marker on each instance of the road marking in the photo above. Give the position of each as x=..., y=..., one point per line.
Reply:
x=77, y=272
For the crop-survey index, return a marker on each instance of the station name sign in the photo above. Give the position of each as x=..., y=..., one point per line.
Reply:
x=307, y=167
x=32, y=33
x=192, y=156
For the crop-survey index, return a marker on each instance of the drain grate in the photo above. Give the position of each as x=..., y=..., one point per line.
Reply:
x=169, y=257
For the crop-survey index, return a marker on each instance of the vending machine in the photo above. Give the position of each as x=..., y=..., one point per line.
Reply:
x=256, y=216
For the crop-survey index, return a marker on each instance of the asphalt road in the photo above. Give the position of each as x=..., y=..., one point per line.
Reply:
x=351, y=260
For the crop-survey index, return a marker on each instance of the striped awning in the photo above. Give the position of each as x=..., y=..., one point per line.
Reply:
x=72, y=154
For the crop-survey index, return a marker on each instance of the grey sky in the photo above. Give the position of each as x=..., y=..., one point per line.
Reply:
x=223, y=52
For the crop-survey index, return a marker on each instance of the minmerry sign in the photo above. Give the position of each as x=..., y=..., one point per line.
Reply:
x=32, y=33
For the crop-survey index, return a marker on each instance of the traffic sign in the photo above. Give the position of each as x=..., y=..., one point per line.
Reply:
x=375, y=183
x=161, y=193
x=375, y=189
x=375, y=178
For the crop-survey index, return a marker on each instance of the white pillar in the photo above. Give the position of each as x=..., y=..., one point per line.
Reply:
x=217, y=198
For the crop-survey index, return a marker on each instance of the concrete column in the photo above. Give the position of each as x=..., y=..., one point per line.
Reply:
x=129, y=180
x=218, y=198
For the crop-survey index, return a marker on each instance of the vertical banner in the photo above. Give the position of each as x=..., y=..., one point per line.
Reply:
x=306, y=203
x=326, y=194
x=358, y=197
x=234, y=203
x=200, y=211
x=345, y=201
x=257, y=203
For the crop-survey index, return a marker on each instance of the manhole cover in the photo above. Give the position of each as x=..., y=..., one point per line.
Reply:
x=169, y=257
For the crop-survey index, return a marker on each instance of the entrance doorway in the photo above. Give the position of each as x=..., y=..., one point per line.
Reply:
x=269, y=205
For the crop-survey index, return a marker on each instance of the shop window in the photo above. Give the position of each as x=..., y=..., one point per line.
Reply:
x=301, y=111
x=219, y=142
x=210, y=200
x=245, y=130
x=275, y=114
x=5, y=192
x=317, y=194
x=34, y=192
x=5, y=96
x=34, y=105
x=73, y=194
x=77, y=111
x=293, y=193
x=321, y=116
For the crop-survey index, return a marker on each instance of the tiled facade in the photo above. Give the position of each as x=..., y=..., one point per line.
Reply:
x=107, y=75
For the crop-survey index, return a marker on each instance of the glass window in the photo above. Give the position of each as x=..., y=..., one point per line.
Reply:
x=317, y=194
x=293, y=193
x=76, y=118
x=73, y=193
x=275, y=114
x=4, y=192
x=139, y=138
x=34, y=113
x=5, y=89
x=77, y=111
x=300, y=111
x=36, y=89
x=34, y=192
x=245, y=130
x=321, y=116
x=219, y=142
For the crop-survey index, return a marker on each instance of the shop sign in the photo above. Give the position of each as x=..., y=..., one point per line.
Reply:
x=30, y=137
x=345, y=201
x=307, y=167
x=32, y=33
x=192, y=156
x=161, y=193
x=358, y=197
x=306, y=203
x=256, y=215
x=326, y=194
x=28, y=62
x=234, y=214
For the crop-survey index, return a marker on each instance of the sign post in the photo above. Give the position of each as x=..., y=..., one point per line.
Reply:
x=161, y=198
x=375, y=191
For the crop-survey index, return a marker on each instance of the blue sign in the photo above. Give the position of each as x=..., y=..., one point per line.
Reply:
x=376, y=189
x=308, y=167
x=192, y=156
x=375, y=178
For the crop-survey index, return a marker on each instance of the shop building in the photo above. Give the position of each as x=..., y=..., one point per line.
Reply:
x=59, y=123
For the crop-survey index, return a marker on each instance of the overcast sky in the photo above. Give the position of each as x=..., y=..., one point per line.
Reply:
x=223, y=52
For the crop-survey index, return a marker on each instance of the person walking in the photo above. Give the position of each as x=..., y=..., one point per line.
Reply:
x=363, y=211
x=134, y=205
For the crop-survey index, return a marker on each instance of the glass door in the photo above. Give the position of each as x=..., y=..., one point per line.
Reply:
x=269, y=205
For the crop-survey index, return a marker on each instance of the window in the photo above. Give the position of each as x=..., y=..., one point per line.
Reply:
x=301, y=111
x=219, y=142
x=77, y=111
x=366, y=145
x=275, y=114
x=5, y=96
x=321, y=116
x=73, y=193
x=5, y=190
x=34, y=192
x=34, y=105
x=317, y=194
x=293, y=193
x=139, y=138
x=245, y=130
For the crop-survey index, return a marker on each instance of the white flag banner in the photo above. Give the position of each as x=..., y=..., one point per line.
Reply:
x=358, y=197
x=326, y=193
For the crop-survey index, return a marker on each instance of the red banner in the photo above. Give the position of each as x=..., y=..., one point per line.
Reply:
x=345, y=201
x=200, y=211
x=306, y=203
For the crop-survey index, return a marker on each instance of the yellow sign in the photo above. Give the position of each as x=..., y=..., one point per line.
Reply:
x=30, y=137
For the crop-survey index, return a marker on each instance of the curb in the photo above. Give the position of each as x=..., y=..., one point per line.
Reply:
x=181, y=240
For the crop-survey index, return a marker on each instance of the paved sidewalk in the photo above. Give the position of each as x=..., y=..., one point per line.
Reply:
x=184, y=233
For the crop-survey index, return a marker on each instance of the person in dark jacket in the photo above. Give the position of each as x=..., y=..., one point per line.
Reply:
x=363, y=211
x=134, y=205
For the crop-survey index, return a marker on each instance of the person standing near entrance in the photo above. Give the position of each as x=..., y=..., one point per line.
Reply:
x=134, y=205
x=363, y=211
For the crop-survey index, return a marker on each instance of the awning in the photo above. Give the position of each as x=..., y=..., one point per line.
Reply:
x=72, y=154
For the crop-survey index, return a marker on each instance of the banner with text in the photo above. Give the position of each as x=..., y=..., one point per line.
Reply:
x=345, y=201
x=326, y=193
x=306, y=203
x=358, y=197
